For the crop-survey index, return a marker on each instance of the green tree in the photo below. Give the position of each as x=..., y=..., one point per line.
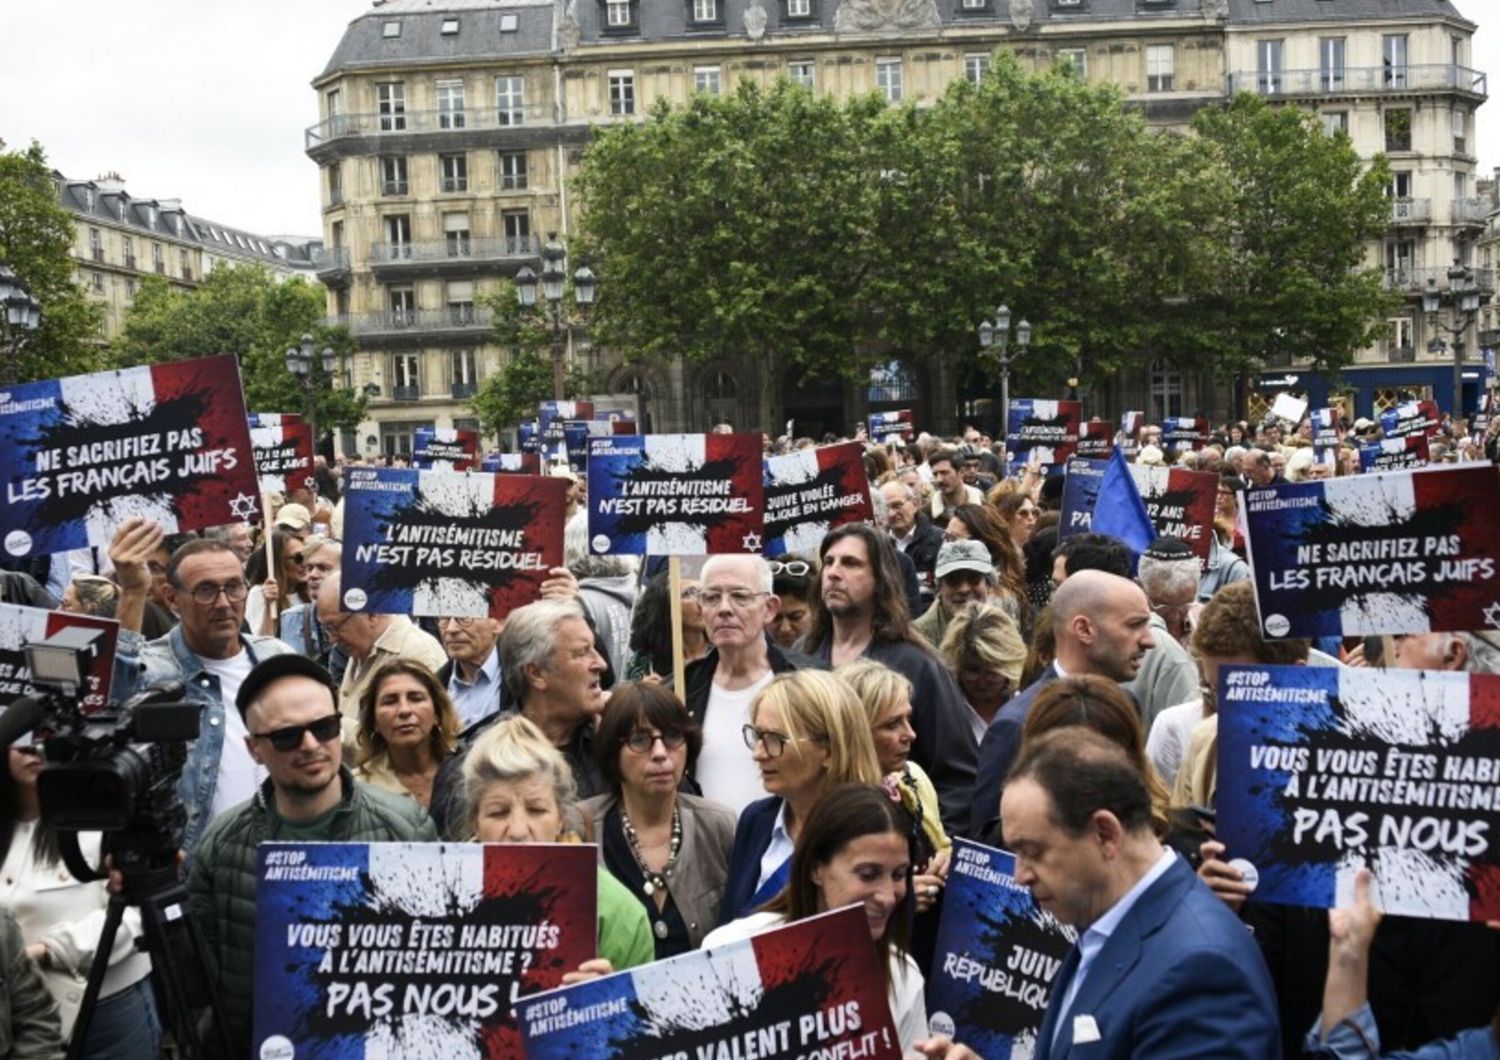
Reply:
x=244, y=310
x=514, y=394
x=1304, y=209
x=36, y=235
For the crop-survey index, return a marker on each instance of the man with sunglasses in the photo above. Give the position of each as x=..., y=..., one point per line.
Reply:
x=288, y=708
x=738, y=604
x=204, y=583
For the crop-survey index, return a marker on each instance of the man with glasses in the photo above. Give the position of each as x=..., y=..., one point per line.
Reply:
x=738, y=605
x=912, y=533
x=472, y=672
x=288, y=710
x=299, y=623
x=204, y=582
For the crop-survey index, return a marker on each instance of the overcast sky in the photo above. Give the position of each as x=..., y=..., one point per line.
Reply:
x=207, y=101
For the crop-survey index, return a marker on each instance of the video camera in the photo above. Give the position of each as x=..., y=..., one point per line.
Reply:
x=113, y=771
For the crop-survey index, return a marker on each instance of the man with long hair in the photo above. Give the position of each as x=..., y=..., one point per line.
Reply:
x=860, y=611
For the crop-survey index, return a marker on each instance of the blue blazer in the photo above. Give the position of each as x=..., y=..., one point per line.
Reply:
x=751, y=838
x=997, y=751
x=1179, y=978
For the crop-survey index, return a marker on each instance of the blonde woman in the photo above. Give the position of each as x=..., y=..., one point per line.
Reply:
x=807, y=733
x=983, y=647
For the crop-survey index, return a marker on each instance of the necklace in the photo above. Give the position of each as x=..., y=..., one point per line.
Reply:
x=655, y=881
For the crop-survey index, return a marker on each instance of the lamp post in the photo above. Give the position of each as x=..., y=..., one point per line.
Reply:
x=299, y=362
x=994, y=340
x=554, y=279
x=1463, y=294
x=22, y=315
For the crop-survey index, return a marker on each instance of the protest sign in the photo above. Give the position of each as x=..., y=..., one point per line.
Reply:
x=1482, y=412
x=576, y=434
x=513, y=463
x=529, y=437
x=1042, y=432
x=890, y=426
x=812, y=989
x=446, y=543
x=1325, y=426
x=810, y=492
x=1180, y=503
x=549, y=412
x=1388, y=552
x=283, y=448
x=1184, y=432
x=1130, y=432
x=676, y=494
x=1323, y=770
x=80, y=455
x=996, y=957
x=444, y=449
x=1395, y=454
x=1080, y=492
x=20, y=626
x=1096, y=440
x=413, y=949
x=1289, y=407
x=1412, y=417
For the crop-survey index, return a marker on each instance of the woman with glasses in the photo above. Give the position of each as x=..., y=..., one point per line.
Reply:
x=792, y=585
x=518, y=788
x=651, y=629
x=807, y=733
x=669, y=849
x=287, y=587
x=1017, y=509
x=407, y=728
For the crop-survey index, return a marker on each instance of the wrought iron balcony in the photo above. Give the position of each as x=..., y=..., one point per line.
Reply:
x=1411, y=211
x=467, y=320
x=409, y=122
x=1360, y=80
x=1414, y=280
x=463, y=390
x=411, y=392
x=455, y=249
x=1472, y=211
x=331, y=263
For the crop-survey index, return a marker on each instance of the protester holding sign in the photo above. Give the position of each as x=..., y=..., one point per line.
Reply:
x=853, y=847
x=517, y=788
x=669, y=849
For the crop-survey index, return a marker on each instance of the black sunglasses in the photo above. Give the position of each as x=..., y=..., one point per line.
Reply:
x=290, y=738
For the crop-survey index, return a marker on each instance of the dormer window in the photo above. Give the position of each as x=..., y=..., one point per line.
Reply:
x=390, y=30
x=509, y=23
x=794, y=10
x=704, y=12
x=450, y=27
x=621, y=16
x=974, y=7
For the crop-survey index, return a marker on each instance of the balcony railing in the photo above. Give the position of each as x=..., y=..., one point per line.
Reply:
x=463, y=390
x=393, y=187
x=98, y=253
x=465, y=319
x=130, y=261
x=406, y=393
x=1411, y=211
x=456, y=250
x=335, y=196
x=327, y=259
x=427, y=121
x=161, y=268
x=1470, y=211
x=1414, y=280
x=1360, y=79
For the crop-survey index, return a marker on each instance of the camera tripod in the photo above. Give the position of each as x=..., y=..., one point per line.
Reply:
x=179, y=957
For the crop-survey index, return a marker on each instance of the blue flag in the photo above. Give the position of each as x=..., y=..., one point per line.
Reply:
x=1119, y=510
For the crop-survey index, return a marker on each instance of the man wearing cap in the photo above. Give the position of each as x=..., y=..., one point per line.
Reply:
x=207, y=651
x=965, y=575
x=289, y=709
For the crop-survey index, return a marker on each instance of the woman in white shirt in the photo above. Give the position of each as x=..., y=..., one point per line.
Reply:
x=61, y=920
x=853, y=848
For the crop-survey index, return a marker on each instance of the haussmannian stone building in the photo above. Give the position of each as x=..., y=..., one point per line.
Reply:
x=449, y=130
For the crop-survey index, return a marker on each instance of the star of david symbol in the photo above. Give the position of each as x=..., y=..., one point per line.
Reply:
x=244, y=506
x=751, y=541
x=1492, y=615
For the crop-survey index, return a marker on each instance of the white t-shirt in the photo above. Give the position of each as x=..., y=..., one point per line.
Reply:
x=726, y=771
x=239, y=774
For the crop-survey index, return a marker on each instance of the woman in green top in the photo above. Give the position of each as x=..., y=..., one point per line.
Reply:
x=518, y=788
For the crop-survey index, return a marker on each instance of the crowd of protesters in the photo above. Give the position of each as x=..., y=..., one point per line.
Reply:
x=950, y=668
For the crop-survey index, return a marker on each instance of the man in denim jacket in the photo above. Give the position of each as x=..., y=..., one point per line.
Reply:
x=207, y=652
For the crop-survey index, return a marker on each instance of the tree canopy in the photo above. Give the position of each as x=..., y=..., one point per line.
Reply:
x=514, y=394
x=244, y=310
x=36, y=236
x=823, y=236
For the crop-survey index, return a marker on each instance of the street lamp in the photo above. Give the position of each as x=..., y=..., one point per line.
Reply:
x=553, y=280
x=994, y=340
x=299, y=362
x=23, y=315
x=1463, y=294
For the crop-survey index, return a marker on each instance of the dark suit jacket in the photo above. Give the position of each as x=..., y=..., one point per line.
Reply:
x=1180, y=977
x=751, y=838
x=997, y=751
x=922, y=550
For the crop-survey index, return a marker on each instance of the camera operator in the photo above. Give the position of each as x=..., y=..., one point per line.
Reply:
x=61, y=919
x=206, y=651
x=28, y=1018
x=289, y=707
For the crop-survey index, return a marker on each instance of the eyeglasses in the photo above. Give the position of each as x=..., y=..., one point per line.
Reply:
x=290, y=738
x=775, y=742
x=740, y=599
x=641, y=741
x=461, y=621
x=332, y=628
x=207, y=592
x=796, y=568
x=296, y=560
x=690, y=592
